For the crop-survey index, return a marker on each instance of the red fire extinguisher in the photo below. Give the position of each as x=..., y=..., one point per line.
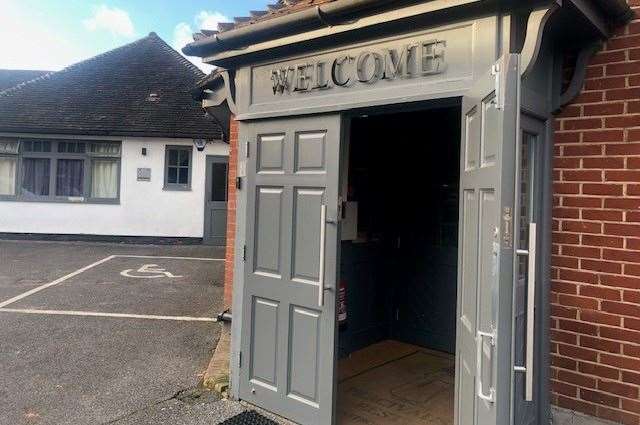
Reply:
x=342, y=305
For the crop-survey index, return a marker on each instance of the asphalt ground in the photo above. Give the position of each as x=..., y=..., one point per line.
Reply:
x=104, y=333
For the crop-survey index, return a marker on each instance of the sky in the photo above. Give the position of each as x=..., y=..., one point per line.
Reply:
x=52, y=34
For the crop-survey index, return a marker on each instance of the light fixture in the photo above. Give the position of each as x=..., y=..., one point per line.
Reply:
x=200, y=144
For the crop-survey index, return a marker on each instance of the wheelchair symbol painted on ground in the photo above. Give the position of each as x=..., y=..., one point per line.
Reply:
x=148, y=271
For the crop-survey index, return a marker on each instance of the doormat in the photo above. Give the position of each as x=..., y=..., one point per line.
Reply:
x=250, y=417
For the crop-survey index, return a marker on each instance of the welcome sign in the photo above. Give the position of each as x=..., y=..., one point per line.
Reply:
x=366, y=67
x=407, y=68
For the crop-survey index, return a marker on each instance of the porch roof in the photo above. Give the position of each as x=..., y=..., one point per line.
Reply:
x=287, y=17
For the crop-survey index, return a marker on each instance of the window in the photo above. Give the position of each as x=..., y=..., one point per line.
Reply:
x=177, y=175
x=8, y=167
x=59, y=170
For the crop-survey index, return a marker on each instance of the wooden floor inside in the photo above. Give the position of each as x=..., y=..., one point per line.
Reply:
x=395, y=383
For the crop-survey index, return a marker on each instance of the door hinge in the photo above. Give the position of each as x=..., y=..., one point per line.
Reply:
x=239, y=183
x=240, y=360
x=244, y=253
x=246, y=149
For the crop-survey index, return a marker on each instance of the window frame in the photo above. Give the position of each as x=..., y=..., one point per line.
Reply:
x=88, y=157
x=177, y=186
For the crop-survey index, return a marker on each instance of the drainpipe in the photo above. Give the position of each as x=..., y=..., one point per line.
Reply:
x=325, y=15
x=225, y=317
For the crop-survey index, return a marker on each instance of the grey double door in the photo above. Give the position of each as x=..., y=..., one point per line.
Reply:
x=288, y=335
x=287, y=360
x=484, y=365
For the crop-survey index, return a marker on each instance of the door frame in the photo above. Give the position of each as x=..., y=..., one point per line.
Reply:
x=208, y=182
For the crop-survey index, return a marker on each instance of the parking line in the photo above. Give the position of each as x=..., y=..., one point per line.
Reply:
x=113, y=315
x=168, y=258
x=55, y=282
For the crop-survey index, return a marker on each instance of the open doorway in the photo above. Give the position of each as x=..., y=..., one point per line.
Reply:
x=399, y=255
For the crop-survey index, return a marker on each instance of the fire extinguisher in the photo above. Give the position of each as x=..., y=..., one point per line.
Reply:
x=342, y=305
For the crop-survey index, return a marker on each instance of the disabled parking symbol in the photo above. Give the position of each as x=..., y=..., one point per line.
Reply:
x=148, y=271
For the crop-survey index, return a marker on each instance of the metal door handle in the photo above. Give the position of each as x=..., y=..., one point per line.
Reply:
x=527, y=369
x=491, y=397
x=531, y=303
x=323, y=219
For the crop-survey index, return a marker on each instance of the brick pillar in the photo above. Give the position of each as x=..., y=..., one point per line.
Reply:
x=595, y=324
x=231, y=213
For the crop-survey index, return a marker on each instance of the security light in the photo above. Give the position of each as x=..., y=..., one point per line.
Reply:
x=200, y=144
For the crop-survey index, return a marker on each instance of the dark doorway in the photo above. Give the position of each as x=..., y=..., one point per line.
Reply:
x=399, y=267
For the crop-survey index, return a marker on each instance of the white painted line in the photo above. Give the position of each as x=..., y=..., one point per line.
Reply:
x=55, y=282
x=113, y=315
x=168, y=258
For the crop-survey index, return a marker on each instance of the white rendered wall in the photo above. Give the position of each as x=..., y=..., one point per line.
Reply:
x=145, y=209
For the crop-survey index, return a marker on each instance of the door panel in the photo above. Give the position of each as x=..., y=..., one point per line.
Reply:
x=215, y=209
x=490, y=117
x=288, y=335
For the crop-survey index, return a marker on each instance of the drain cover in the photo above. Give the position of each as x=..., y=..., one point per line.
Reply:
x=249, y=418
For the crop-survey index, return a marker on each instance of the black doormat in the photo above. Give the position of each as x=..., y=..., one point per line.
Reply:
x=249, y=418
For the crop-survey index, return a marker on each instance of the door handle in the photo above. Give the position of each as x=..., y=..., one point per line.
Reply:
x=527, y=369
x=531, y=303
x=491, y=397
x=323, y=219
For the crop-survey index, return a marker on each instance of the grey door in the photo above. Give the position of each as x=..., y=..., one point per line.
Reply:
x=216, y=199
x=288, y=327
x=486, y=248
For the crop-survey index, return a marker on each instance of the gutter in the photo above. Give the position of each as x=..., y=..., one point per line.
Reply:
x=321, y=16
x=328, y=15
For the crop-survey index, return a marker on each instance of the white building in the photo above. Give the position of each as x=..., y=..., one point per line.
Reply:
x=113, y=147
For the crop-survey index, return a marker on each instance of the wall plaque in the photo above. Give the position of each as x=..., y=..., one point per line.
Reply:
x=144, y=174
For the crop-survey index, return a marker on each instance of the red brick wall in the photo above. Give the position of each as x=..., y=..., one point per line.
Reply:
x=595, y=328
x=231, y=213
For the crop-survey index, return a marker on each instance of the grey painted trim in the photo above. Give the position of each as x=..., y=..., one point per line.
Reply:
x=142, y=240
x=102, y=133
x=327, y=16
x=544, y=315
x=230, y=91
x=238, y=268
x=536, y=27
x=593, y=15
x=363, y=23
x=91, y=138
x=175, y=186
x=53, y=156
x=579, y=74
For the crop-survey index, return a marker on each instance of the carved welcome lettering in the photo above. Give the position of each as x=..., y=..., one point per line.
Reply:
x=368, y=67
